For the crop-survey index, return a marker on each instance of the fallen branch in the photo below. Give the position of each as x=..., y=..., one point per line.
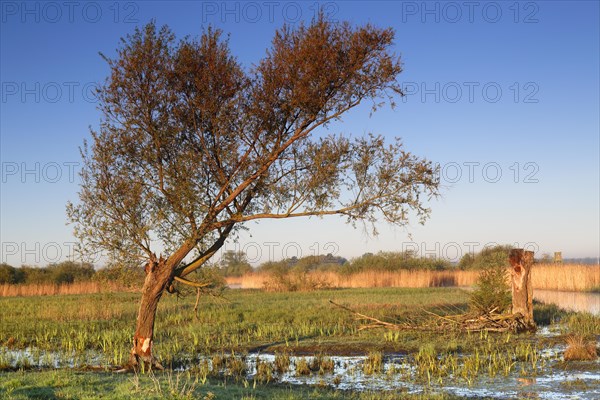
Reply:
x=490, y=322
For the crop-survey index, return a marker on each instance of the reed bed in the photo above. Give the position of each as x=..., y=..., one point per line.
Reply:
x=368, y=279
x=49, y=289
x=566, y=277
x=405, y=278
x=560, y=277
x=563, y=277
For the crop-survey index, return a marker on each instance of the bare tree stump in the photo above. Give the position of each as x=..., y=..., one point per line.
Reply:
x=521, y=262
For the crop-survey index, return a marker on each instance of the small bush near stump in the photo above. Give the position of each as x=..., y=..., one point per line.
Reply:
x=492, y=292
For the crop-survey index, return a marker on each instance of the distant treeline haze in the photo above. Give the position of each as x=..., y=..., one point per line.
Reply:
x=235, y=264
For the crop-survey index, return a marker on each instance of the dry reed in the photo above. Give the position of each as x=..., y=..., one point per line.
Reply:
x=369, y=279
x=565, y=277
x=562, y=277
x=49, y=289
x=580, y=349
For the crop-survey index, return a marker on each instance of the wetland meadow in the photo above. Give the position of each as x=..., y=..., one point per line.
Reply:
x=253, y=344
x=299, y=200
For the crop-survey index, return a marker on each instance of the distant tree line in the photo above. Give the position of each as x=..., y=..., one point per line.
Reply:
x=64, y=272
x=235, y=264
x=69, y=272
x=388, y=261
x=585, y=260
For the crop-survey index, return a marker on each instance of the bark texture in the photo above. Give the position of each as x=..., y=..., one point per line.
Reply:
x=521, y=262
x=158, y=276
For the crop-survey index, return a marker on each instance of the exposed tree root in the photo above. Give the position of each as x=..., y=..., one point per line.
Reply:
x=137, y=362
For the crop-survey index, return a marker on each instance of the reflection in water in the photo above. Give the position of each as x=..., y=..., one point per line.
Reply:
x=574, y=301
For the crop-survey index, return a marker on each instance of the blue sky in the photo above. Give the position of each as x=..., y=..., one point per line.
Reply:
x=504, y=95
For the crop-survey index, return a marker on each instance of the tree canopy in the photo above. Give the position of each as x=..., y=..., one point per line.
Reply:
x=192, y=145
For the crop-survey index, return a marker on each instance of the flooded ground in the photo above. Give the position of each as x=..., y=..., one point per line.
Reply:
x=542, y=374
x=581, y=381
x=531, y=373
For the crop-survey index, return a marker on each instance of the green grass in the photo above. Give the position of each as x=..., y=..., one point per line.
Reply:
x=64, y=384
x=252, y=321
x=95, y=331
x=583, y=324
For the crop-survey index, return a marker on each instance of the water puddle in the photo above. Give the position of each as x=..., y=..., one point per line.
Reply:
x=549, y=331
x=35, y=358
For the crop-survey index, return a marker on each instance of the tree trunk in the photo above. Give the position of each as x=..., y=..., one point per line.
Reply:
x=521, y=262
x=158, y=277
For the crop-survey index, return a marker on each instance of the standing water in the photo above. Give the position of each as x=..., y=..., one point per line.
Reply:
x=572, y=301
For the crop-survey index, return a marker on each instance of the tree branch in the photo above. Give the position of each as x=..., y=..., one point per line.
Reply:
x=192, y=283
x=207, y=254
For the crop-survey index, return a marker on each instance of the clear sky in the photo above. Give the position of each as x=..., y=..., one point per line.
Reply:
x=504, y=95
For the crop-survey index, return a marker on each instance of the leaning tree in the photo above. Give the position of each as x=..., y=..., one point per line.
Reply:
x=192, y=146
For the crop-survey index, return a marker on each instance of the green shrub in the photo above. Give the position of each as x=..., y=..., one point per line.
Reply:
x=492, y=291
x=394, y=261
x=70, y=271
x=306, y=264
x=547, y=314
x=489, y=256
x=130, y=277
x=234, y=263
x=35, y=275
x=275, y=267
x=10, y=274
x=294, y=281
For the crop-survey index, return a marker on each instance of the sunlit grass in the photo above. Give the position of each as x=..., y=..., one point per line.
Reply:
x=301, y=329
x=253, y=320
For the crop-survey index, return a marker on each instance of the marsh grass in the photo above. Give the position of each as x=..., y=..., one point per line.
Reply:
x=103, y=323
x=282, y=363
x=75, y=330
x=584, y=324
x=547, y=314
x=321, y=364
x=98, y=327
x=566, y=277
x=373, y=364
x=580, y=349
x=582, y=330
x=366, y=279
x=302, y=367
x=264, y=371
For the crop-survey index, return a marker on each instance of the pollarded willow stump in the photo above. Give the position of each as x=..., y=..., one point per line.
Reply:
x=521, y=262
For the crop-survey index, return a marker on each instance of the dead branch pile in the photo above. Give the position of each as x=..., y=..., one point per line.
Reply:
x=491, y=322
